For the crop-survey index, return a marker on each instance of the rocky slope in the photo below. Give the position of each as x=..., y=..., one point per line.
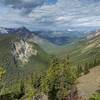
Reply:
x=89, y=84
x=23, y=50
x=21, y=58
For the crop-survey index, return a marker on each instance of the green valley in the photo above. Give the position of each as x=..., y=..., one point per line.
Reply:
x=38, y=68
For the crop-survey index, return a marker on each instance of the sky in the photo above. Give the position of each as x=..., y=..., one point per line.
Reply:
x=50, y=14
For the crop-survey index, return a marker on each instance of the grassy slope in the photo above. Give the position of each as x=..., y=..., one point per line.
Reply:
x=52, y=48
x=85, y=51
x=80, y=52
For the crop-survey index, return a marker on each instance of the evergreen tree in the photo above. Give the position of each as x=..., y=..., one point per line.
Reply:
x=79, y=70
x=86, y=68
x=22, y=88
x=59, y=79
x=2, y=72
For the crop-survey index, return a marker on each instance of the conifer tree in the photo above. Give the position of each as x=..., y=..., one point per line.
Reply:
x=59, y=79
x=86, y=68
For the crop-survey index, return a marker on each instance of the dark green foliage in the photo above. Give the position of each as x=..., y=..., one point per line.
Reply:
x=16, y=72
x=22, y=89
x=36, y=81
x=86, y=69
x=79, y=70
x=59, y=79
x=83, y=69
x=2, y=72
x=95, y=97
x=15, y=94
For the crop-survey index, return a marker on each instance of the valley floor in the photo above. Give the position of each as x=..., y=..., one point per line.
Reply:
x=89, y=84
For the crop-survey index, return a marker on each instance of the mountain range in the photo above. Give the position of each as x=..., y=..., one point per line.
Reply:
x=24, y=52
x=55, y=37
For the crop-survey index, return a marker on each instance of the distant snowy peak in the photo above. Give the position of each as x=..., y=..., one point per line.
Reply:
x=3, y=31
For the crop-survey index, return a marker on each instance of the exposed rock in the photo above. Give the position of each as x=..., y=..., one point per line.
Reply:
x=23, y=50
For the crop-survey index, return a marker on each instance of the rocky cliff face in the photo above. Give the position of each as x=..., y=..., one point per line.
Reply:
x=23, y=50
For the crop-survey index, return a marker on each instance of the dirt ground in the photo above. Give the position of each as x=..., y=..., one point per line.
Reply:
x=89, y=84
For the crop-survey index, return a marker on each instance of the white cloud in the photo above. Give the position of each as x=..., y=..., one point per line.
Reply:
x=64, y=14
x=63, y=18
x=69, y=30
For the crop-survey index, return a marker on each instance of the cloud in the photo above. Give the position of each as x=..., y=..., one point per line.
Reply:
x=47, y=15
x=63, y=18
x=25, y=5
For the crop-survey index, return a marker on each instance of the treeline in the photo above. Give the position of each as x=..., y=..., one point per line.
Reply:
x=95, y=96
x=85, y=67
x=57, y=83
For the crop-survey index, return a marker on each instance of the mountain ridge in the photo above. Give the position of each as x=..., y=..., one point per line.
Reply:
x=55, y=37
x=21, y=58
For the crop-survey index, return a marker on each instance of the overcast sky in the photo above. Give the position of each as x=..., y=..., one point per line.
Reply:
x=50, y=14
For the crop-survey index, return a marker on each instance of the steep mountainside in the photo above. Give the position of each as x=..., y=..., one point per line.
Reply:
x=20, y=58
x=60, y=37
x=86, y=50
